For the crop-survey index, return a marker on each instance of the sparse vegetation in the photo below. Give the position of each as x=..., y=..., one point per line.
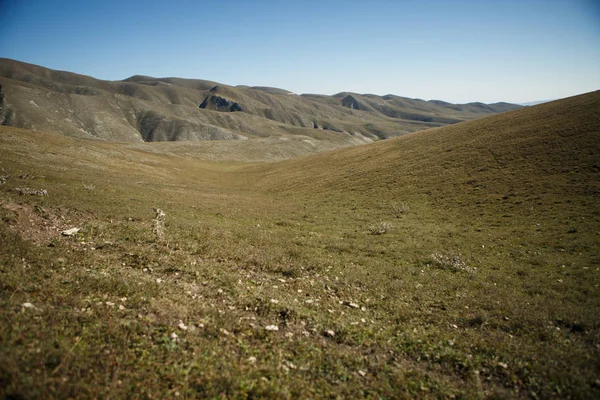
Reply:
x=380, y=228
x=270, y=286
x=158, y=227
x=455, y=262
x=399, y=209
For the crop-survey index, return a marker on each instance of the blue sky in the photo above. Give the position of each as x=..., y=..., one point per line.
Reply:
x=458, y=51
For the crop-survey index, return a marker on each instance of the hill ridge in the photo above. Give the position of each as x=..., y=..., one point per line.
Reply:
x=141, y=108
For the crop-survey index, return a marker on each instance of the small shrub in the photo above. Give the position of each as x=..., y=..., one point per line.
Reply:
x=159, y=223
x=380, y=228
x=399, y=209
x=453, y=262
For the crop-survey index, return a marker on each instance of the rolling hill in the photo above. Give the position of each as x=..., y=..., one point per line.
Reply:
x=142, y=108
x=456, y=262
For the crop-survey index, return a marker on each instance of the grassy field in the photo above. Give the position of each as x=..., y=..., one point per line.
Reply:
x=458, y=262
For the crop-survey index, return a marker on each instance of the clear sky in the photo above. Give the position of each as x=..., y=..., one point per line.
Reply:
x=457, y=51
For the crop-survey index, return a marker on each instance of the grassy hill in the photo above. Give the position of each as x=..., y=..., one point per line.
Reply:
x=460, y=261
x=142, y=108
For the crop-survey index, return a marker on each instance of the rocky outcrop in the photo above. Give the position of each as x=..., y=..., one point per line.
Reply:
x=218, y=103
x=350, y=102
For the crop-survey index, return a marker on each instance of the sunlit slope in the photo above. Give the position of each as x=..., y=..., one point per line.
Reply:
x=549, y=152
x=453, y=263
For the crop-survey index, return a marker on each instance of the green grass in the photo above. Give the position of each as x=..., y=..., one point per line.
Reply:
x=507, y=307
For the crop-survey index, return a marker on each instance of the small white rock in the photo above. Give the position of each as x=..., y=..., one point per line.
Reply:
x=272, y=327
x=350, y=304
x=121, y=307
x=27, y=305
x=362, y=373
x=158, y=280
x=70, y=232
x=274, y=301
x=329, y=333
x=174, y=336
x=252, y=360
x=182, y=326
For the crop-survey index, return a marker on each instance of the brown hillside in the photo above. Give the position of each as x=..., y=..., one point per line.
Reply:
x=550, y=149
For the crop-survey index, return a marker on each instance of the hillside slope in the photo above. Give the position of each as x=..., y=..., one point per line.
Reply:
x=459, y=262
x=551, y=148
x=143, y=108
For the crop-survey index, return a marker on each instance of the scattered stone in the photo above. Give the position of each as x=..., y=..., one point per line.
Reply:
x=252, y=360
x=182, y=326
x=27, y=305
x=110, y=304
x=274, y=301
x=121, y=307
x=272, y=328
x=174, y=336
x=70, y=232
x=362, y=373
x=32, y=192
x=290, y=365
x=350, y=304
x=328, y=333
x=158, y=280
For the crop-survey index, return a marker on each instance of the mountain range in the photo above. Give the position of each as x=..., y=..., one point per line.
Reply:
x=147, y=109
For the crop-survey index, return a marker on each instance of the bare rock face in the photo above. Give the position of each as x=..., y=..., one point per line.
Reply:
x=218, y=103
x=350, y=102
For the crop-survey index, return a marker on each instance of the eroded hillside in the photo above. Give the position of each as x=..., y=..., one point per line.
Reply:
x=143, y=108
